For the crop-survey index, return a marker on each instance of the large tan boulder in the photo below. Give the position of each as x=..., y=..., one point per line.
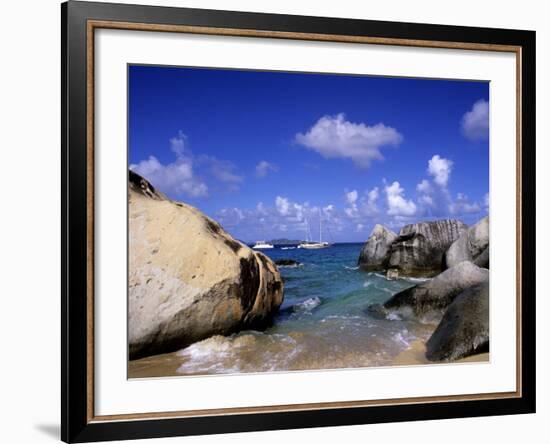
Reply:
x=188, y=279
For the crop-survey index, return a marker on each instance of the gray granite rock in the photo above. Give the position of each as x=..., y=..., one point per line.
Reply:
x=375, y=253
x=471, y=244
x=464, y=328
x=420, y=248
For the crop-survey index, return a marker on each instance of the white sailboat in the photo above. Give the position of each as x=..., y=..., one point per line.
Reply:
x=310, y=245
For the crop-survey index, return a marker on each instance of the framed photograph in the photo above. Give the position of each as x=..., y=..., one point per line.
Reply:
x=275, y=221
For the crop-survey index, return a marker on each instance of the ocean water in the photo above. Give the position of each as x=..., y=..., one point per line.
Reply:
x=322, y=323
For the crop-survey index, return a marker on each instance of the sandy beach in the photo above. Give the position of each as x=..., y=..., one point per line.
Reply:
x=416, y=355
x=168, y=363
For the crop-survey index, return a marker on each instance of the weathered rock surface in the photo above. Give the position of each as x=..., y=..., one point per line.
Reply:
x=483, y=259
x=464, y=329
x=188, y=278
x=435, y=295
x=471, y=244
x=375, y=253
x=420, y=248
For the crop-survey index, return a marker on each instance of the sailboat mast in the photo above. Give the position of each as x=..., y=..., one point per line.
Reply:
x=320, y=228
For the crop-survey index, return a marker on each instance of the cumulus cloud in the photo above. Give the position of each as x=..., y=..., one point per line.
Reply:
x=284, y=217
x=434, y=197
x=223, y=171
x=475, y=123
x=260, y=208
x=440, y=169
x=361, y=206
x=398, y=205
x=424, y=187
x=359, y=210
x=178, y=144
x=351, y=196
x=176, y=178
x=234, y=213
x=335, y=137
x=264, y=167
x=180, y=179
x=352, y=210
x=462, y=206
x=372, y=197
x=283, y=205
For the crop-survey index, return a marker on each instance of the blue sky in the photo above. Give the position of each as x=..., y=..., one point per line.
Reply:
x=264, y=152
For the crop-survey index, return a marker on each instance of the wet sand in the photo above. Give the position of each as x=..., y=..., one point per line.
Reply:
x=416, y=355
x=167, y=364
x=154, y=366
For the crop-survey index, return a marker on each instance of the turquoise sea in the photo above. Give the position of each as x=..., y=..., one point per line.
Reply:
x=322, y=323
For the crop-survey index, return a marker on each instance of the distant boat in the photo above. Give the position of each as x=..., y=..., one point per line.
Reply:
x=262, y=245
x=309, y=244
x=314, y=245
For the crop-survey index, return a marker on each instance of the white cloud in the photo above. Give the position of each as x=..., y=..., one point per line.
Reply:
x=178, y=144
x=462, y=205
x=175, y=178
x=283, y=206
x=351, y=197
x=440, y=169
x=372, y=195
x=428, y=194
x=351, y=200
x=361, y=207
x=424, y=187
x=351, y=211
x=434, y=197
x=264, y=167
x=235, y=213
x=298, y=211
x=427, y=200
x=370, y=207
x=475, y=123
x=179, y=177
x=397, y=204
x=284, y=218
x=335, y=137
x=223, y=170
x=260, y=208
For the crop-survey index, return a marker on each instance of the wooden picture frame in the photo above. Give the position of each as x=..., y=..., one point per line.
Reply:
x=79, y=22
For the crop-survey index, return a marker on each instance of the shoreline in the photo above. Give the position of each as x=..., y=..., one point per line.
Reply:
x=167, y=364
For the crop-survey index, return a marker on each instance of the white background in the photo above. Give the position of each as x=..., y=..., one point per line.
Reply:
x=29, y=226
